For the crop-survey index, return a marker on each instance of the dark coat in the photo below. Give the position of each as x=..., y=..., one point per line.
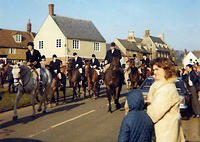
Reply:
x=35, y=57
x=110, y=55
x=136, y=126
x=96, y=62
x=78, y=61
x=55, y=66
x=146, y=62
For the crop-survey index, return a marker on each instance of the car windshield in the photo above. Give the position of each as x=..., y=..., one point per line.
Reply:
x=149, y=81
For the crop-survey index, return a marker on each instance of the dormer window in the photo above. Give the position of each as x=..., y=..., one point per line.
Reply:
x=18, y=38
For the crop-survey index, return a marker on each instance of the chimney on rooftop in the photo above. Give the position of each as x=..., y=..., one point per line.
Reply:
x=147, y=33
x=131, y=35
x=29, y=26
x=51, y=9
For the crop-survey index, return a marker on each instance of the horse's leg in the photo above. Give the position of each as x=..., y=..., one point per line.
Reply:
x=108, y=90
x=89, y=88
x=33, y=93
x=94, y=89
x=117, y=95
x=57, y=93
x=84, y=88
x=18, y=96
x=64, y=92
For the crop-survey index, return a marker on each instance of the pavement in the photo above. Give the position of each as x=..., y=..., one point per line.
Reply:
x=75, y=121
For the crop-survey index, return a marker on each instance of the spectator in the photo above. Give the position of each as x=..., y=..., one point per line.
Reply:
x=136, y=126
x=164, y=101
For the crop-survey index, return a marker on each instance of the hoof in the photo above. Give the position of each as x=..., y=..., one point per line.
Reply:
x=15, y=118
x=44, y=111
x=39, y=109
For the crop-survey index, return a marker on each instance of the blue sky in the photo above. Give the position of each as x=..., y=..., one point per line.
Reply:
x=179, y=20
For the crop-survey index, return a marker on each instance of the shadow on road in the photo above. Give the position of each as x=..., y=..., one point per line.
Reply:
x=18, y=140
x=30, y=118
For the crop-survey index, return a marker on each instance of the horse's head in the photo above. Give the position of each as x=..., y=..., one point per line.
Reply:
x=16, y=73
x=115, y=63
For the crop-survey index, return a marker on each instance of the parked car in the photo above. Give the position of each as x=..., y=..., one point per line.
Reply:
x=145, y=86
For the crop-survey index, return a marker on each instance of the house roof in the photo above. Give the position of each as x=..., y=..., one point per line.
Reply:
x=78, y=29
x=163, y=49
x=131, y=46
x=138, y=40
x=7, y=39
x=196, y=53
x=156, y=39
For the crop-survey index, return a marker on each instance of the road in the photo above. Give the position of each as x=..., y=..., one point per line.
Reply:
x=81, y=121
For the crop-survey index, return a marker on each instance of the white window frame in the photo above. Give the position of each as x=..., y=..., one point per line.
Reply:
x=76, y=44
x=58, y=43
x=12, y=51
x=18, y=38
x=41, y=44
x=97, y=46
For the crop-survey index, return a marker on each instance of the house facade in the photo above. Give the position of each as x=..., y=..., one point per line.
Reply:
x=131, y=46
x=190, y=58
x=65, y=35
x=13, y=43
x=156, y=45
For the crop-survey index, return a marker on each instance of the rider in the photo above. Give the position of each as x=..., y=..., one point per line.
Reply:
x=77, y=62
x=33, y=57
x=145, y=60
x=113, y=52
x=43, y=62
x=55, y=67
x=95, y=64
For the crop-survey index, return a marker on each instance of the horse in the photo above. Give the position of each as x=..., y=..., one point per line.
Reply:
x=145, y=72
x=134, y=75
x=74, y=77
x=92, y=79
x=3, y=75
x=113, y=82
x=27, y=82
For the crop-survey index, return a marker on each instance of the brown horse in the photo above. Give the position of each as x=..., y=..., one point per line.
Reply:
x=113, y=82
x=134, y=75
x=74, y=77
x=145, y=72
x=3, y=72
x=92, y=79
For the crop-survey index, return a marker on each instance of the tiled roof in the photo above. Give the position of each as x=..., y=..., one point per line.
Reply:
x=156, y=40
x=163, y=49
x=131, y=46
x=7, y=38
x=138, y=40
x=78, y=29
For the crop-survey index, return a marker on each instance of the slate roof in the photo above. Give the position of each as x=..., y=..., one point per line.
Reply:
x=131, y=46
x=78, y=29
x=138, y=40
x=7, y=40
x=163, y=49
x=156, y=39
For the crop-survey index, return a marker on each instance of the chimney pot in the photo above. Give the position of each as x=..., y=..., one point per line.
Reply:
x=51, y=9
x=131, y=35
x=29, y=26
x=147, y=33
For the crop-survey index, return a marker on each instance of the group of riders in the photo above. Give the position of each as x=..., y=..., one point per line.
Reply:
x=36, y=61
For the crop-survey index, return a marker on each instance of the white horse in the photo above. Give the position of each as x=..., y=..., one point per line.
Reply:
x=27, y=82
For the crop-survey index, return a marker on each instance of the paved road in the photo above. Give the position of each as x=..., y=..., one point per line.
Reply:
x=83, y=121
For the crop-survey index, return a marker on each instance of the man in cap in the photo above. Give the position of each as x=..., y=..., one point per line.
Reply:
x=77, y=62
x=33, y=58
x=95, y=63
x=55, y=67
x=145, y=60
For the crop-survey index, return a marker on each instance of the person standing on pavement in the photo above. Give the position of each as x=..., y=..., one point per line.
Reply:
x=192, y=82
x=163, y=102
x=136, y=126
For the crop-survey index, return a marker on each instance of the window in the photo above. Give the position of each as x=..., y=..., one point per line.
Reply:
x=76, y=44
x=58, y=43
x=96, y=46
x=18, y=38
x=12, y=51
x=41, y=44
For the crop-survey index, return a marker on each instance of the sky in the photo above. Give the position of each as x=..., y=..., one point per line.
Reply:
x=179, y=20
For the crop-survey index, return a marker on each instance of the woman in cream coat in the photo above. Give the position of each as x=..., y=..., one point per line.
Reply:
x=164, y=101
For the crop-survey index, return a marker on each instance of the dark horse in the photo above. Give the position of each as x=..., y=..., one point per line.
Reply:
x=145, y=72
x=92, y=79
x=74, y=77
x=113, y=82
x=134, y=75
x=3, y=75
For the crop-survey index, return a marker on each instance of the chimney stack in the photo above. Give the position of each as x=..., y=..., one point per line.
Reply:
x=29, y=26
x=147, y=33
x=131, y=35
x=51, y=9
x=161, y=36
